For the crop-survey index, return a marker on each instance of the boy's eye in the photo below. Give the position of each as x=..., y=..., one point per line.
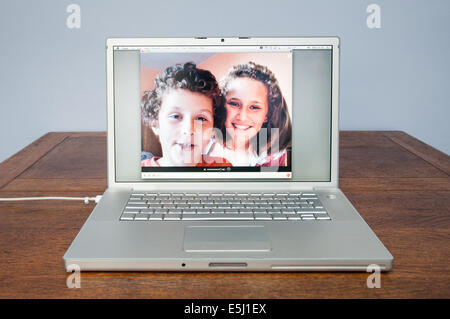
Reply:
x=202, y=119
x=174, y=116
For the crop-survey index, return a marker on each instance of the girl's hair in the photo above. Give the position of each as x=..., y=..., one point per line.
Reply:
x=277, y=114
x=182, y=76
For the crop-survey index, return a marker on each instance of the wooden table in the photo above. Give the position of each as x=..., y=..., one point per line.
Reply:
x=400, y=186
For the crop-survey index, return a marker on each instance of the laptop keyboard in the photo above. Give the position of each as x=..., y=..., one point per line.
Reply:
x=215, y=206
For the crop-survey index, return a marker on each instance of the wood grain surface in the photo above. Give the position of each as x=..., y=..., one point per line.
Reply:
x=400, y=186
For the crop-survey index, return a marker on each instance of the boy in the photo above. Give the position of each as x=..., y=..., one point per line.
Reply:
x=182, y=109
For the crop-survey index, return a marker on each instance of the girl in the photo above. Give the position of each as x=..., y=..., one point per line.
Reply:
x=257, y=128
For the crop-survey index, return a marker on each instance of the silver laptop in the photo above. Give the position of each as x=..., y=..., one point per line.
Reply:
x=223, y=155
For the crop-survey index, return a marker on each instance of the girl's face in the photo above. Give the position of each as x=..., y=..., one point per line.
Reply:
x=247, y=105
x=185, y=125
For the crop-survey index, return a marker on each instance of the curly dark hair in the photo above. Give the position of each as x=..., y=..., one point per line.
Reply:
x=182, y=76
x=277, y=114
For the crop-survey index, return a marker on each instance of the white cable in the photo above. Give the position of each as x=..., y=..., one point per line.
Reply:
x=86, y=200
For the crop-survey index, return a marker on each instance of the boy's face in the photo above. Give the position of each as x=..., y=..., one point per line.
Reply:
x=184, y=127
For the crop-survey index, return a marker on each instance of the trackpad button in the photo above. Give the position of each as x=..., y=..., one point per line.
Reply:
x=226, y=238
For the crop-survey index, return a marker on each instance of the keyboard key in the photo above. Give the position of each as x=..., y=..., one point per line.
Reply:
x=221, y=202
x=172, y=217
x=136, y=206
x=151, y=194
x=138, y=202
x=141, y=217
x=127, y=217
x=323, y=218
x=260, y=211
x=155, y=217
x=246, y=216
x=176, y=211
x=263, y=217
x=196, y=217
x=189, y=211
x=131, y=211
x=294, y=217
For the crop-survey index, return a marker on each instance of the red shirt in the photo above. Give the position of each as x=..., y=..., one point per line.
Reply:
x=207, y=161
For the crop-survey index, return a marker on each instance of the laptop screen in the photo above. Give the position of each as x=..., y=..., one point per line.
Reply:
x=222, y=112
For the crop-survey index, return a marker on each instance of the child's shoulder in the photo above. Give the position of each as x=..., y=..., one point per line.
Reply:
x=150, y=162
x=275, y=159
x=208, y=160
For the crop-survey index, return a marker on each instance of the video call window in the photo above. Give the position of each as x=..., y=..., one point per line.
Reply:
x=225, y=115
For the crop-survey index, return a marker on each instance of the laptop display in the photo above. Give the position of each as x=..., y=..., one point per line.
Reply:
x=223, y=112
x=220, y=114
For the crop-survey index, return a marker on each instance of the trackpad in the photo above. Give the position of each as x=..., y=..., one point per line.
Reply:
x=226, y=238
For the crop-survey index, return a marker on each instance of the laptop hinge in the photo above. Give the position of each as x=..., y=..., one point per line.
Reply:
x=220, y=186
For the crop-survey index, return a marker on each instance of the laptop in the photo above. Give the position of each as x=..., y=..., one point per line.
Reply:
x=223, y=156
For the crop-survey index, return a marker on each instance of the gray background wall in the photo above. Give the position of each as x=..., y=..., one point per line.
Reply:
x=52, y=78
